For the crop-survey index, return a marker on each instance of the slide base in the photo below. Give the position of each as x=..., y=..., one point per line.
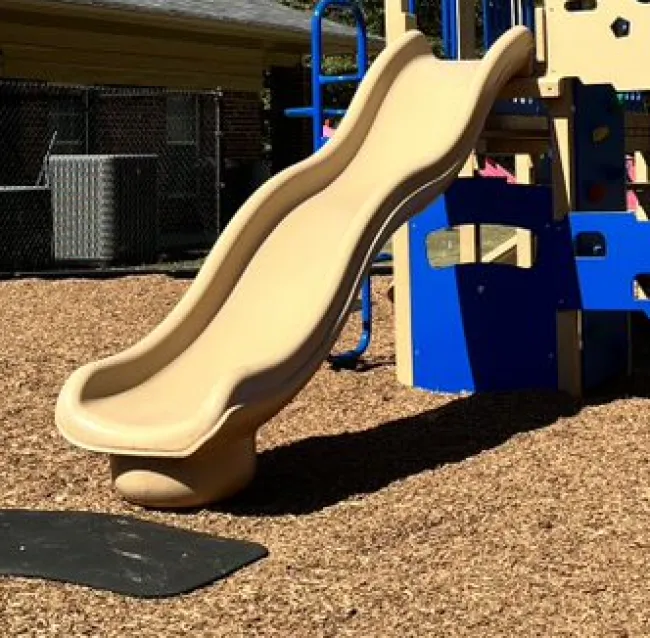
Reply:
x=214, y=473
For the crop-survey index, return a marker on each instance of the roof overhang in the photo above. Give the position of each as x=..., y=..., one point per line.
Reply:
x=280, y=41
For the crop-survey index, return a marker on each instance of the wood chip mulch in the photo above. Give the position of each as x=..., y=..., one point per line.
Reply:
x=387, y=511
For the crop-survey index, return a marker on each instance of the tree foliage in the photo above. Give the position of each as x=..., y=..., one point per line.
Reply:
x=429, y=14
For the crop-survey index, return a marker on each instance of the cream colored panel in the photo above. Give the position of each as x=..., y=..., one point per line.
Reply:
x=607, y=44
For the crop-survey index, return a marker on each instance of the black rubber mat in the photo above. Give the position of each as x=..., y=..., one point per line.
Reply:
x=117, y=553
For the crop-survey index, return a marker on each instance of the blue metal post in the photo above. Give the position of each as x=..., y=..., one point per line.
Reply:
x=351, y=358
x=450, y=28
x=318, y=80
x=498, y=18
x=529, y=14
x=487, y=23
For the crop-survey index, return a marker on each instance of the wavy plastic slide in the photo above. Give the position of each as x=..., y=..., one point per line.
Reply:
x=178, y=412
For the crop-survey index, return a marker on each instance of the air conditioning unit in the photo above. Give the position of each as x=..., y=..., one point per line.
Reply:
x=26, y=230
x=105, y=208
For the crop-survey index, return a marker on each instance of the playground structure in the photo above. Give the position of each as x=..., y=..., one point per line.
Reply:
x=178, y=412
x=464, y=333
x=523, y=115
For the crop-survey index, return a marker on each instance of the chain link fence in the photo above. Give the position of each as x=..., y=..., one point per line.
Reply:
x=40, y=123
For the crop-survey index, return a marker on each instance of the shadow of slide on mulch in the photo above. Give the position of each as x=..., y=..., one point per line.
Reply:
x=308, y=475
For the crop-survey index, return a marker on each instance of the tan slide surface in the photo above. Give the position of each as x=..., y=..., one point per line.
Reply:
x=178, y=411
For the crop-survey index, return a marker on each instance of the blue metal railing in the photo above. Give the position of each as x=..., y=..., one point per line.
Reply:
x=318, y=112
x=318, y=79
x=450, y=29
x=633, y=101
x=498, y=18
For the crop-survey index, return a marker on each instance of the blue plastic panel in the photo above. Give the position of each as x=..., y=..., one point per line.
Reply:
x=485, y=327
x=599, y=148
x=606, y=282
x=599, y=151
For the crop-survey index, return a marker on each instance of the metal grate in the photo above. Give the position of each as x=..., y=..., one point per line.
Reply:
x=182, y=129
x=104, y=208
x=25, y=228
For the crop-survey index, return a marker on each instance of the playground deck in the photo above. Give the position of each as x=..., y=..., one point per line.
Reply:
x=387, y=512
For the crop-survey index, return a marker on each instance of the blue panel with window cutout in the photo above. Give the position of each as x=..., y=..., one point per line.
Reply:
x=487, y=327
x=611, y=252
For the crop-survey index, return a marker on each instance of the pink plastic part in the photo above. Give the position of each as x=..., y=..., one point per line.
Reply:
x=632, y=199
x=492, y=169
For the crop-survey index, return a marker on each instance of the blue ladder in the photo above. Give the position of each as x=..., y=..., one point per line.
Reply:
x=317, y=112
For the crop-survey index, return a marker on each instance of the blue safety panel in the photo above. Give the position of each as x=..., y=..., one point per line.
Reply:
x=486, y=327
x=621, y=253
x=606, y=347
x=599, y=151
